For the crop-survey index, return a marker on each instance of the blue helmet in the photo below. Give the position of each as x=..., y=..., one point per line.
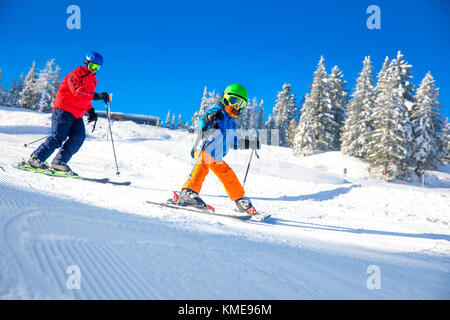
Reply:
x=94, y=57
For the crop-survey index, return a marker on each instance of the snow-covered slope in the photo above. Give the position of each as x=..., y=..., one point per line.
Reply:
x=331, y=235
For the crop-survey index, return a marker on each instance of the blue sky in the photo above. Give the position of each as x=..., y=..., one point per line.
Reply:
x=161, y=54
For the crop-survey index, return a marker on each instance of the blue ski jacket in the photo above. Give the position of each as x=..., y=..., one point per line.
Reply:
x=220, y=137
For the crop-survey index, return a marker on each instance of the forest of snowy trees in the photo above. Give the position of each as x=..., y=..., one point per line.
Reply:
x=36, y=91
x=386, y=121
x=389, y=124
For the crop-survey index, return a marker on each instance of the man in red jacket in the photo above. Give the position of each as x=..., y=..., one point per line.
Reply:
x=73, y=99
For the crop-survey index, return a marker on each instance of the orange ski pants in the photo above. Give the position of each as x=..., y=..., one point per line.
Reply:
x=221, y=169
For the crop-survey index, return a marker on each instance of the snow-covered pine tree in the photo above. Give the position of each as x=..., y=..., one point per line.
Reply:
x=172, y=123
x=30, y=95
x=48, y=81
x=339, y=100
x=284, y=111
x=316, y=115
x=252, y=114
x=305, y=141
x=381, y=76
x=167, y=122
x=427, y=123
x=357, y=126
x=247, y=118
x=269, y=126
x=52, y=90
x=8, y=99
x=205, y=102
x=291, y=132
x=260, y=118
x=13, y=94
x=194, y=120
x=179, y=123
x=209, y=99
x=390, y=142
x=445, y=155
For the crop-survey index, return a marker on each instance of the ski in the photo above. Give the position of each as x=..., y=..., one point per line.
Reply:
x=205, y=211
x=172, y=203
x=49, y=172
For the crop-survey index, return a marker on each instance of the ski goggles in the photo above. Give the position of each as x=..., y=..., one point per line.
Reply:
x=94, y=66
x=236, y=102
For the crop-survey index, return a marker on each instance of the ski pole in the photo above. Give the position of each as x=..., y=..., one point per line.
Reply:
x=27, y=144
x=110, y=132
x=248, y=166
x=93, y=127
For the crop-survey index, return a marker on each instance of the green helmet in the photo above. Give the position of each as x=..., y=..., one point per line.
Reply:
x=237, y=90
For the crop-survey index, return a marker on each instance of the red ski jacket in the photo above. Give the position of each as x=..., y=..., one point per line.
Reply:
x=76, y=92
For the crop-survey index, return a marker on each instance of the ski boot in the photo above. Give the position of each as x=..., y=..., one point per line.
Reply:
x=245, y=205
x=190, y=198
x=63, y=168
x=37, y=163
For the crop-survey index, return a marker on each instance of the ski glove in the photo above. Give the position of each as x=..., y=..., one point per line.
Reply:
x=248, y=144
x=211, y=119
x=101, y=96
x=92, y=115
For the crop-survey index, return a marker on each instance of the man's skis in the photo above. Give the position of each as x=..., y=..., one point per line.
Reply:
x=171, y=203
x=50, y=172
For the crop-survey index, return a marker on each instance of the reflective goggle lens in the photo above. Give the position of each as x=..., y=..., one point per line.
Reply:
x=237, y=102
x=94, y=66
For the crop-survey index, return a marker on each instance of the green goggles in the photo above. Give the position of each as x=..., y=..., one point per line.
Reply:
x=236, y=102
x=94, y=66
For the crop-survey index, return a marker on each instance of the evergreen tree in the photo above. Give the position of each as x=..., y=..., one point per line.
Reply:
x=179, y=123
x=291, y=132
x=269, y=125
x=167, y=122
x=209, y=99
x=357, y=126
x=317, y=117
x=305, y=138
x=381, y=76
x=172, y=124
x=339, y=100
x=48, y=82
x=30, y=95
x=427, y=123
x=284, y=111
x=14, y=91
x=445, y=154
x=390, y=142
x=247, y=118
x=260, y=119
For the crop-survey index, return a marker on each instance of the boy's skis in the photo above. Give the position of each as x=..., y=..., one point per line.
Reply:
x=50, y=172
x=172, y=203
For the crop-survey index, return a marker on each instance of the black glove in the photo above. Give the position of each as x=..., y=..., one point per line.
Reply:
x=92, y=115
x=101, y=96
x=249, y=144
x=211, y=119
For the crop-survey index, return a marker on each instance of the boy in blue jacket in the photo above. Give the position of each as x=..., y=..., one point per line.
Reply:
x=219, y=123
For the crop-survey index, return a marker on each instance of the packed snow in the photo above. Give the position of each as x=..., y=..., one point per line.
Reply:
x=335, y=232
